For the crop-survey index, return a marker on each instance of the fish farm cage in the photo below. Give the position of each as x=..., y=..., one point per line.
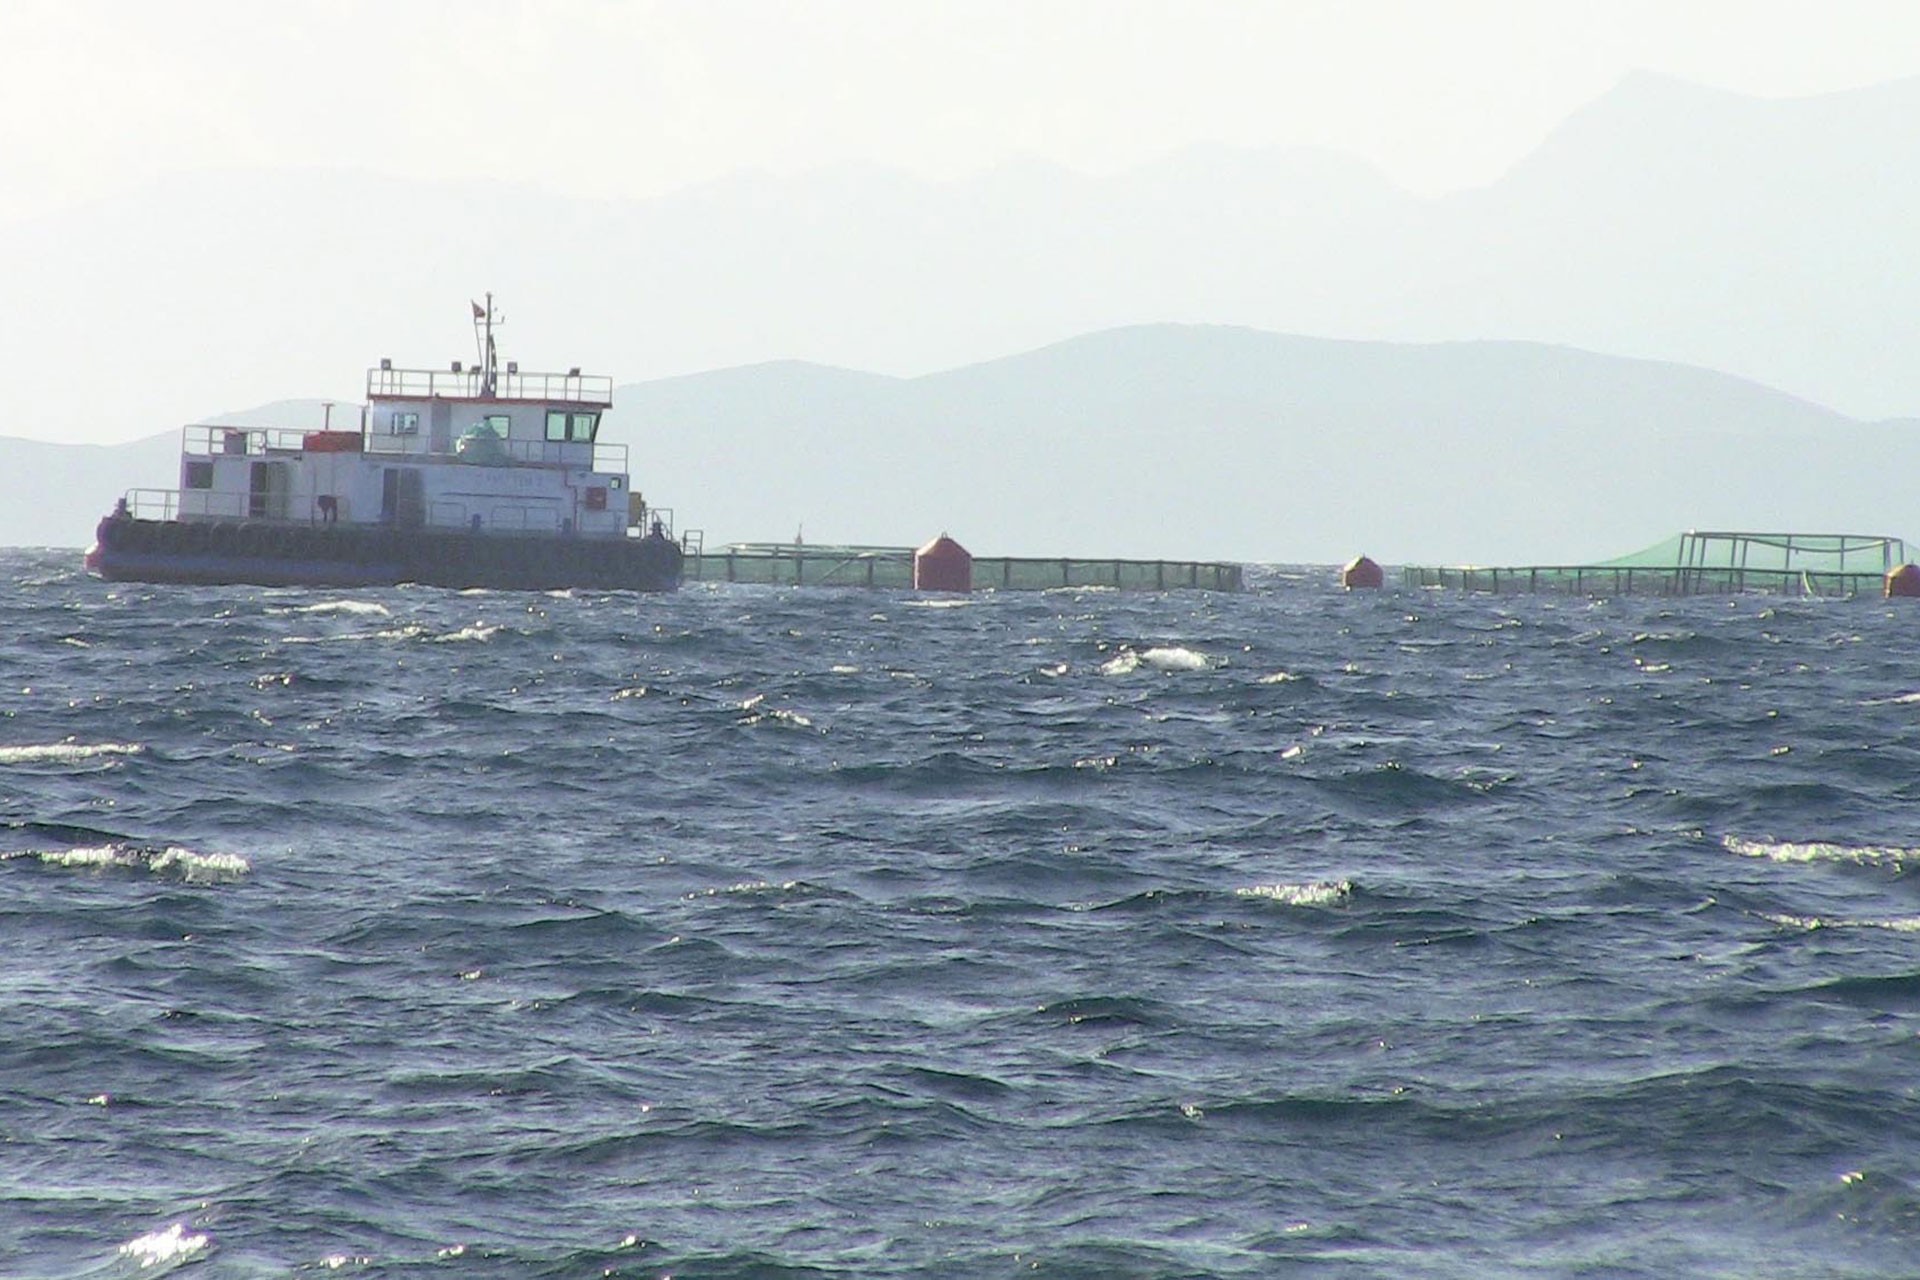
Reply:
x=891, y=568
x=1700, y=563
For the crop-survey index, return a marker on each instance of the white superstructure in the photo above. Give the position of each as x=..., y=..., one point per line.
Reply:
x=475, y=448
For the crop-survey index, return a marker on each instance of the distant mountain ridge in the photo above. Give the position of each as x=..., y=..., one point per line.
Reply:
x=1771, y=239
x=1202, y=441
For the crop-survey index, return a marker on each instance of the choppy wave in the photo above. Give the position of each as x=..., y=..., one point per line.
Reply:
x=160, y=1251
x=763, y=932
x=411, y=631
x=1898, y=924
x=1313, y=893
x=1170, y=658
x=758, y=712
x=1820, y=851
x=67, y=752
x=169, y=860
x=351, y=608
x=475, y=632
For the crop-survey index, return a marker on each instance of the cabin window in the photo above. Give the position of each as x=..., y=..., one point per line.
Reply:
x=200, y=475
x=406, y=424
x=576, y=427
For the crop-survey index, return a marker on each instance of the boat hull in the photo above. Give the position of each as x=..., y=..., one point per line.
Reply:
x=261, y=553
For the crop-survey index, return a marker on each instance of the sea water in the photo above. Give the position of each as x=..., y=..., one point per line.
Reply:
x=770, y=932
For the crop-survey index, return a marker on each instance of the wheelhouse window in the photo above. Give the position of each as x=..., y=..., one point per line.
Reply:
x=579, y=428
x=406, y=424
x=500, y=424
x=200, y=474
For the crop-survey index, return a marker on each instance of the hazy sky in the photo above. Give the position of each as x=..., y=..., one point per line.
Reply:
x=632, y=97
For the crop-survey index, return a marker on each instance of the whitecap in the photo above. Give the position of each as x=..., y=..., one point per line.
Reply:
x=67, y=752
x=356, y=608
x=169, y=1248
x=1175, y=658
x=1160, y=657
x=1313, y=893
x=198, y=868
x=1895, y=924
x=478, y=631
x=173, y=860
x=1819, y=851
x=1278, y=677
x=408, y=632
x=774, y=715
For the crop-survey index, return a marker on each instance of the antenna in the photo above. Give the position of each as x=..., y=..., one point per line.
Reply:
x=484, y=321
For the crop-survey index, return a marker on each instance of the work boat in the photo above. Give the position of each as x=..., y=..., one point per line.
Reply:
x=457, y=477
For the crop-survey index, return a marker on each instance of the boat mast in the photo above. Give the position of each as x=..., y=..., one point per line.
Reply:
x=484, y=320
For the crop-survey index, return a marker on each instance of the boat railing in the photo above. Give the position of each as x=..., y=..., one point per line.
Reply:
x=535, y=517
x=193, y=505
x=523, y=517
x=152, y=504
x=460, y=383
x=212, y=439
x=604, y=457
x=215, y=440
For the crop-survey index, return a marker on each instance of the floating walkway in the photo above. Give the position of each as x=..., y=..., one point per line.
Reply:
x=891, y=568
x=1700, y=563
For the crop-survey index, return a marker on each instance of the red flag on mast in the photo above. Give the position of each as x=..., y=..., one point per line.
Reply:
x=479, y=312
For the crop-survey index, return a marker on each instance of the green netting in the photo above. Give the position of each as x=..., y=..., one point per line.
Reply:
x=892, y=568
x=1702, y=563
x=1786, y=552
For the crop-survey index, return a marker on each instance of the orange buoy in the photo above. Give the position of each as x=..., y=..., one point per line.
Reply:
x=1362, y=574
x=1903, y=581
x=943, y=565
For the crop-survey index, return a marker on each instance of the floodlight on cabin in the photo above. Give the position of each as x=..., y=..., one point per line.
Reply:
x=456, y=366
x=386, y=365
x=574, y=372
x=513, y=366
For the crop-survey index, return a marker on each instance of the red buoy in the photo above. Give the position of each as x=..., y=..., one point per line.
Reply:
x=1903, y=581
x=943, y=565
x=1362, y=574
